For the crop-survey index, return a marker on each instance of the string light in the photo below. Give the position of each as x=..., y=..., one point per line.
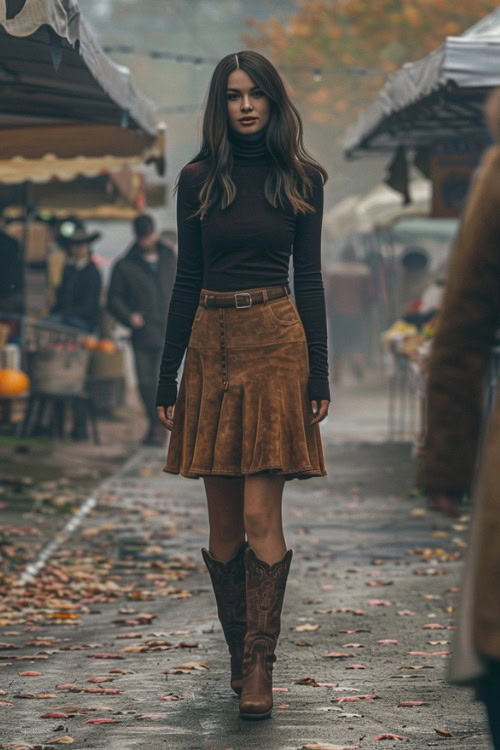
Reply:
x=199, y=62
x=179, y=109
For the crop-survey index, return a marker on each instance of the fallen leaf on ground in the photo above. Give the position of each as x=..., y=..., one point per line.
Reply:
x=308, y=627
x=103, y=720
x=171, y=697
x=411, y=704
x=357, y=630
x=314, y=683
x=379, y=583
x=54, y=715
x=379, y=603
x=337, y=655
x=187, y=667
x=30, y=674
x=388, y=736
x=443, y=732
x=434, y=626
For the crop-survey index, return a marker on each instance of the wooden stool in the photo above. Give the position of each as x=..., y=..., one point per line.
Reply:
x=81, y=404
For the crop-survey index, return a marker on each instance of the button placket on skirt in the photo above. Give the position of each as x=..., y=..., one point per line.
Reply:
x=223, y=347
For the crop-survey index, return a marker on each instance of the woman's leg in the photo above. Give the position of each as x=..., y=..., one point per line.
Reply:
x=225, y=563
x=262, y=516
x=225, y=515
x=267, y=563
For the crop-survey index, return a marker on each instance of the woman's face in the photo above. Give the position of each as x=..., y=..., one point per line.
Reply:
x=246, y=100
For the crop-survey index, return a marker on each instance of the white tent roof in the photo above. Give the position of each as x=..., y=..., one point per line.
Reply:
x=463, y=69
x=379, y=208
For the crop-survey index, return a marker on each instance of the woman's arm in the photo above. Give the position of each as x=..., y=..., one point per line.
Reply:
x=186, y=290
x=309, y=290
x=462, y=347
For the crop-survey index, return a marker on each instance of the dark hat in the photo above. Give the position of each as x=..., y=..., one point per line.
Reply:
x=72, y=232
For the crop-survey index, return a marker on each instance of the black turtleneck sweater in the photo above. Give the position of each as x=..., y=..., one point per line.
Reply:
x=246, y=245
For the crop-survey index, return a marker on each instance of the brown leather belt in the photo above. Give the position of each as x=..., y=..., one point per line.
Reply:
x=243, y=299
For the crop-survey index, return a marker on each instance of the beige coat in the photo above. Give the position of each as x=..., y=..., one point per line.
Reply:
x=468, y=322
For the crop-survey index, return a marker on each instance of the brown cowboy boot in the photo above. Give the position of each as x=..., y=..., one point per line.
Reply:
x=228, y=580
x=265, y=592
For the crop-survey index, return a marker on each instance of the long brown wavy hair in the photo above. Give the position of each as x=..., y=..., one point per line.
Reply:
x=287, y=183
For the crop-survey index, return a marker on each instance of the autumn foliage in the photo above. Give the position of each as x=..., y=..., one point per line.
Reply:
x=355, y=43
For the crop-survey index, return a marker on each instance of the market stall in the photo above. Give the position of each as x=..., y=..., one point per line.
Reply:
x=392, y=236
x=431, y=112
x=429, y=115
x=73, y=130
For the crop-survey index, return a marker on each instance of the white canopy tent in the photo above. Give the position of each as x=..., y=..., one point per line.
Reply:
x=437, y=97
x=379, y=208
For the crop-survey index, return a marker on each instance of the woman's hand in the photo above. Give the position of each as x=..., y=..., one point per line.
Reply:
x=320, y=413
x=166, y=416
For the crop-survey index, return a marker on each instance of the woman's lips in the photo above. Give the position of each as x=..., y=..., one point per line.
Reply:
x=248, y=120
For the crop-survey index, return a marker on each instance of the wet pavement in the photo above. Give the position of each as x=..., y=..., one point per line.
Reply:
x=113, y=642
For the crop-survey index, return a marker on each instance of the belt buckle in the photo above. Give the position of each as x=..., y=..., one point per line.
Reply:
x=242, y=294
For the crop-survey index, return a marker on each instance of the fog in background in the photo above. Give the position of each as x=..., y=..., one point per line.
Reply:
x=209, y=28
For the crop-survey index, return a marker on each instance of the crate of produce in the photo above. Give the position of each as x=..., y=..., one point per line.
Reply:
x=58, y=370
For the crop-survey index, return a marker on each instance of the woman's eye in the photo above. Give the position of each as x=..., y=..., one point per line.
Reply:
x=258, y=93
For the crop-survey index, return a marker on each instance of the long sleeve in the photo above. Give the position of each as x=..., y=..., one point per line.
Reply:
x=309, y=290
x=89, y=308
x=117, y=297
x=186, y=290
x=466, y=331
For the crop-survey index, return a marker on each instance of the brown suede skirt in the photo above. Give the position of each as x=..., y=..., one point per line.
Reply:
x=242, y=405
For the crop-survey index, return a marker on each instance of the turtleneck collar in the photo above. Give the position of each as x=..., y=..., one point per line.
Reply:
x=249, y=146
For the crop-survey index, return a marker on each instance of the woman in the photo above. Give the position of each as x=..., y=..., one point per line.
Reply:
x=255, y=380
x=468, y=322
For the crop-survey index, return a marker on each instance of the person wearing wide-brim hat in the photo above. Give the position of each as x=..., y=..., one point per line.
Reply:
x=77, y=297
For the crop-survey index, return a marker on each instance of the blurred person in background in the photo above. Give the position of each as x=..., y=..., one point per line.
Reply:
x=11, y=270
x=139, y=296
x=78, y=295
x=461, y=447
x=349, y=299
x=57, y=258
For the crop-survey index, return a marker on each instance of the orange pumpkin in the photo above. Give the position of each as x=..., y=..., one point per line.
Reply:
x=90, y=342
x=13, y=382
x=106, y=345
